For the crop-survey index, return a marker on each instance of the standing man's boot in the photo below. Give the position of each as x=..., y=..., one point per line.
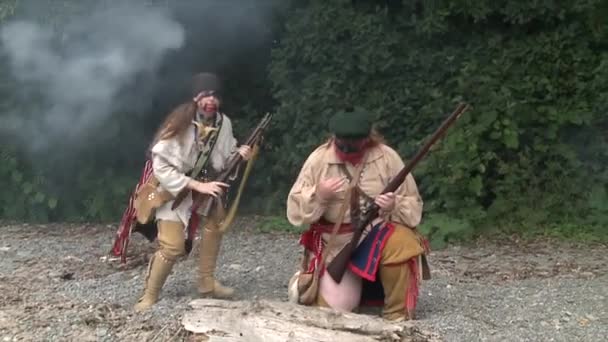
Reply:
x=208, y=286
x=171, y=241
x=158, y=271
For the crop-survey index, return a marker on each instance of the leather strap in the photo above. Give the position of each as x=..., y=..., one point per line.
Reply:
x=355, y=205
x=209, y=145
x=345, y=204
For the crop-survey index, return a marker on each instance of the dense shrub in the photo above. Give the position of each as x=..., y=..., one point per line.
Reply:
x=532, y=151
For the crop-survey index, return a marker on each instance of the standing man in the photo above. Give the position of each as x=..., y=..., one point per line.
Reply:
x=385, y=264
x=194, y=134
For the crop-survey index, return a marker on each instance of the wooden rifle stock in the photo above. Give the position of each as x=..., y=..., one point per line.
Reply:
x=233, y=162
x=338, y=265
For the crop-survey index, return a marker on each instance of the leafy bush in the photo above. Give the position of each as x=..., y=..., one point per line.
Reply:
x=530, y=152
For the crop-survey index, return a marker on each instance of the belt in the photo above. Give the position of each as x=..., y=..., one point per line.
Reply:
x=325, y=226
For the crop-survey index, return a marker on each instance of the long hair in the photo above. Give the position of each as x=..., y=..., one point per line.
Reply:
x=176, y=123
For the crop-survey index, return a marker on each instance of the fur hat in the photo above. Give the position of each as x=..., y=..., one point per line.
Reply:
x=205, y=82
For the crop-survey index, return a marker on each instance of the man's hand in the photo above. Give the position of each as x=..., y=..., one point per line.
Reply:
x=245, y=152
x=327, y=188
x=386, y=202
x=210, y=188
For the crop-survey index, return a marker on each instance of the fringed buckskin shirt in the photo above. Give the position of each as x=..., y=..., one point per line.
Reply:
x=304, y=207
x=173, y=158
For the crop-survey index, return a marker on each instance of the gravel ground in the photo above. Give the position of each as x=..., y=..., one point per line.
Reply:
x=57, y=284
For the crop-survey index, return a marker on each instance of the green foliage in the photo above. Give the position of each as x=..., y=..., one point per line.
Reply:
x=441, y=229
x=24, y=194
x=30, y=196
x=574, y=232
x=532, y=147
x=277, y=223
x=7, y=8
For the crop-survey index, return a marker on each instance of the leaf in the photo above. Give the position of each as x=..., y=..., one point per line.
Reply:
x=495, y=135
x=598, y=198
x=27, y=188
x=476, y=185
x=16, y=176
x=576, y=119
x=510, y=139
x=52, y=203
x=39, y=197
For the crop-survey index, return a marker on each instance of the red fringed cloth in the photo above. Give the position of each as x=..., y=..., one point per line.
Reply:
x=129, y=224
x=312, y=242
x=128, y=220
x=365, y=260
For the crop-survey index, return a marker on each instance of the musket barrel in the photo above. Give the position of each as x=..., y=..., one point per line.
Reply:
x=338, y=265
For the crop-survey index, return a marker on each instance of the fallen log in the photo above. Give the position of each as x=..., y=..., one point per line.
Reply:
x=269, y=321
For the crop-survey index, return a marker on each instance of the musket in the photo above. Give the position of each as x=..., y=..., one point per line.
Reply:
x=338, y=265
x=207, y=200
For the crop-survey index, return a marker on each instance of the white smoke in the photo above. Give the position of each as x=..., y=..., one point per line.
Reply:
x=75, y=75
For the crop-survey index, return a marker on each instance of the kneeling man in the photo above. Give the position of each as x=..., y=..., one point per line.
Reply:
x=385, y=266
